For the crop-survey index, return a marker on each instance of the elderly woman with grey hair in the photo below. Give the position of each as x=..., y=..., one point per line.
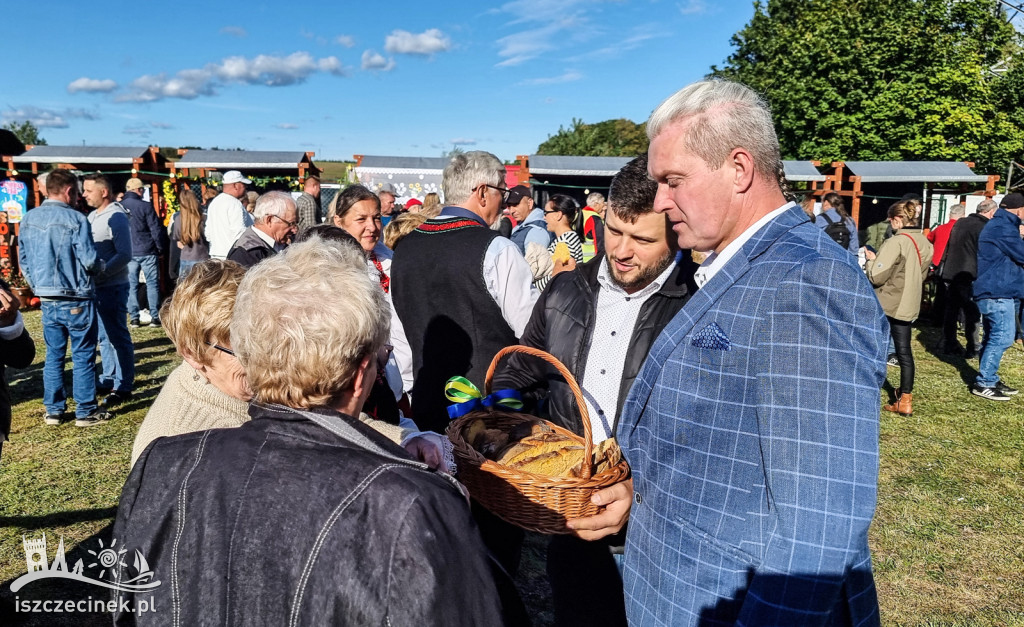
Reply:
x=304, y=515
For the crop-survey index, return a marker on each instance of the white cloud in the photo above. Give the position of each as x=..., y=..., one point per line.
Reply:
x=375, y=61
x=235, y=31
x=45, y=118
x=566, y=77
x=287, y=126
x=426, y=43
x=140, y=131
x=268, y=70
x=641, y=34
x=345, y=40
x=693, y=7
x=91, y=85
x=162, y=125
x=463, y=141
x=536, y=40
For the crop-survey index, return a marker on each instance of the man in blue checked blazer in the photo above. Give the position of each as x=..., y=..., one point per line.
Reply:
x=752, y=429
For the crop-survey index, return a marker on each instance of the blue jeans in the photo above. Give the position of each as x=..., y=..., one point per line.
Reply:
x=116, y=346
x=997, y=316
x=184, y=267
x=74, y=320
x=148, y=263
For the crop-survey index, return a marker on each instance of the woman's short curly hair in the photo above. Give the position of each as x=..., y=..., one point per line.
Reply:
x=304, y=320
x=199, y=313
x=401, y=226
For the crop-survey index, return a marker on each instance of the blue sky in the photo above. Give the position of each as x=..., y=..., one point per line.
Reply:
x=385, y=78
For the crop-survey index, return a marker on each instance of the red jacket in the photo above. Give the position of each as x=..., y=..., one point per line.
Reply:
x=939, y=237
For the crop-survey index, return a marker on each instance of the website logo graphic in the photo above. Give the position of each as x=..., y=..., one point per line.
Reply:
x=107, y=570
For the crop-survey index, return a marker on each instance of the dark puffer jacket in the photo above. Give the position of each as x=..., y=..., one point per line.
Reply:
x=300, y=519
x=250, y=249
x=563, y=323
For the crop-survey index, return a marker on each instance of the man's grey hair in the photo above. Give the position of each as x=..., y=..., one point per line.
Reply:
x=469, y=170
x=595, y=198
x=958, y=210
x=272, y=204
x=987, y=206
x=721, y=116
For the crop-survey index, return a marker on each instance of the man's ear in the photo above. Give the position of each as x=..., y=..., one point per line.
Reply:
x=743, y=165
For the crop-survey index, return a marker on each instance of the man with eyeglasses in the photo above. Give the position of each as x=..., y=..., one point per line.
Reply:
x=276, y=223
x=461, y=292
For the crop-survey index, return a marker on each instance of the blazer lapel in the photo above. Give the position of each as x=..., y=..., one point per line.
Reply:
x=699, y=304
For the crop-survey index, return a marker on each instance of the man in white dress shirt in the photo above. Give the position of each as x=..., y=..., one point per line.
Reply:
x=600, y=321
x=226, y=217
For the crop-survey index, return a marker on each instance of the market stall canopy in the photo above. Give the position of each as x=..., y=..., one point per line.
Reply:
x=408, y=177
x=246, y=160
x=914, y=172
x=558, y=165
x=87, y=155
x=802, y=171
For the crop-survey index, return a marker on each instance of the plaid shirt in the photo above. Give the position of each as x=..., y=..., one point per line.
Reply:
x=308, y=210
x=752, y=433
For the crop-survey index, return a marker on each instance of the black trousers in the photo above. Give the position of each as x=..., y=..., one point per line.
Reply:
x=960, y=298
x=900, y=331
x=586, y=588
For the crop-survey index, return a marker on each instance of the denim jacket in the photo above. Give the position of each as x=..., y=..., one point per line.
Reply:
x=56, y=252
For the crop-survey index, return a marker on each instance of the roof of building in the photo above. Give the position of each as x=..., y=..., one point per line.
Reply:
x=241, y=159
x=379, y=163
x=82, y=154
x=802, y=171
x=576, y=166
x=914, y=172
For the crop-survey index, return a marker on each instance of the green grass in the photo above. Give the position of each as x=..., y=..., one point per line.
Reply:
x=948, y=537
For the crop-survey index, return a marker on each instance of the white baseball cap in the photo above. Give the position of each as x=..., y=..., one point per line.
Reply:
x=234, y=176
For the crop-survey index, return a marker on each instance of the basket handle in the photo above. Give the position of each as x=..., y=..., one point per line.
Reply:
x=588, y=437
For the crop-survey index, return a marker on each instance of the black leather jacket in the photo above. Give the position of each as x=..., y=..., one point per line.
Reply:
x=16, y=353
x=562, y=324
x=300, y=519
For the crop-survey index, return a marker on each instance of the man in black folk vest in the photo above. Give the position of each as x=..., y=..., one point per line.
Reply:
x=461, y=292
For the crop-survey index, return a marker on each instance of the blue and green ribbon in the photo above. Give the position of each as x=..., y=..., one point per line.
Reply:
x=466, y=397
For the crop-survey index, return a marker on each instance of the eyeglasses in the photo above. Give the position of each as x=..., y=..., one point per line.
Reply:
x=291, y=225
x=221, y=348
x=504, y=191
x=553, y=211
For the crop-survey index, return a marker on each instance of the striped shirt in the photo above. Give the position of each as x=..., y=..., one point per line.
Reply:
x=572, y=240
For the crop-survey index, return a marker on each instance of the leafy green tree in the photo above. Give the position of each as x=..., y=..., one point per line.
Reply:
x=611, y=138
x=26, y=132
x=886, y=79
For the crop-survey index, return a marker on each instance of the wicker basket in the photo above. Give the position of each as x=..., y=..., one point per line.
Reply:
x=534, y=502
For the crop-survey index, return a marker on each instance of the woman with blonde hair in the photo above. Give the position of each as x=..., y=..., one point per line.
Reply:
x=431, y=205
x=401, y=226
x=208, y=390
x=897, y=271
x=303, y=499
x=187, y=227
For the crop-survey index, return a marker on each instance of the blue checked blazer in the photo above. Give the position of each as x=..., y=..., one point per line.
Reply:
x=752, y=432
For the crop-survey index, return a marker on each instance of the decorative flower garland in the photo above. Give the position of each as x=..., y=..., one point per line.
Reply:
x=170, y=200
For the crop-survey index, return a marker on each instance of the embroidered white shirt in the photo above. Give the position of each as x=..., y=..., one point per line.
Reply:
x=614, y=318
x=509, y=282
x=714, y=262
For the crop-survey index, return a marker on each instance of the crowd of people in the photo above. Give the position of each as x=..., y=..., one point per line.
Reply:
x=697, y=307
